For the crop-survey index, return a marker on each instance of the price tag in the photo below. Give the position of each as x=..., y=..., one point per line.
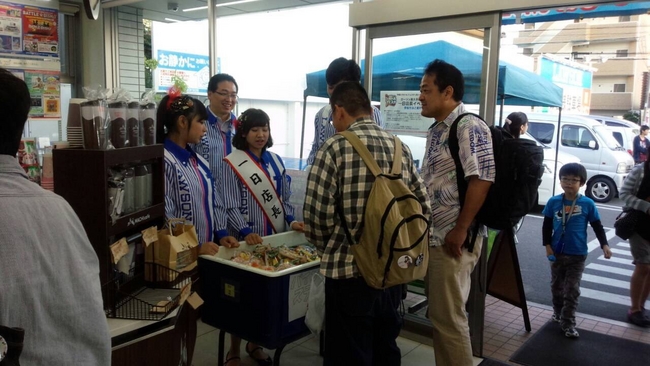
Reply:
x=195, y=301
x=119, y=249
x=149, y=236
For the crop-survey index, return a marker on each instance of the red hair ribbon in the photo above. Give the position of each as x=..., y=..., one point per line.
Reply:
x=236, y=123
x=174, y=93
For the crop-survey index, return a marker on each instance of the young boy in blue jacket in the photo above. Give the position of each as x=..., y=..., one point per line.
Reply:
x=564, y=233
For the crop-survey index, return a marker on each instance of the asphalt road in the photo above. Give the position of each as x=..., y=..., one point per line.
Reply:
x=605, y=283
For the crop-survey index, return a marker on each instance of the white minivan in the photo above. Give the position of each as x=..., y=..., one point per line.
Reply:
x=607, y=163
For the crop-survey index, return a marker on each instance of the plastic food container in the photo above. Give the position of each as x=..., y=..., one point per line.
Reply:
x=264, y=307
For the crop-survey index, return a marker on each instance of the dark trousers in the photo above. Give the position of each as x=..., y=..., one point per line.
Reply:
x=361, y=324
x=566, y=273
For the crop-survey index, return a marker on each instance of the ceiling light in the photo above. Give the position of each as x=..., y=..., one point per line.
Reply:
x=172, y=20
x=222, y=4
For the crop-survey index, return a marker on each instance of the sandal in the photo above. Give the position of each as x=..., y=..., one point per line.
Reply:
x=228, y=359
x=262, y=362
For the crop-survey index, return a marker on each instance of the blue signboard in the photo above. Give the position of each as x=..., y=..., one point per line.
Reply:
x=193, y=69
x=564, y=75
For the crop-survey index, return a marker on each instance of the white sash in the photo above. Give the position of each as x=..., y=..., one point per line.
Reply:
x=259, y=184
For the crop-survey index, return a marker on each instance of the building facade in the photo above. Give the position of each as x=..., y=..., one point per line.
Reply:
x=615, y=47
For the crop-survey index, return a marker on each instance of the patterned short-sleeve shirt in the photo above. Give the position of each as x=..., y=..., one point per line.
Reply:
x=439, y=169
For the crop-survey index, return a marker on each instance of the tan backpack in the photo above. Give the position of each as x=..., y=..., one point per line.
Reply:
x=393, y=248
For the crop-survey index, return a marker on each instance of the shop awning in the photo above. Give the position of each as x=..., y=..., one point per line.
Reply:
x=577, y=12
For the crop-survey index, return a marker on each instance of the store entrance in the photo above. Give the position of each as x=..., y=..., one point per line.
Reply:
x=399, y=54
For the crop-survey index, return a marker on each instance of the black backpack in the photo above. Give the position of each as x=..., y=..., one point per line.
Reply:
x=519, y=167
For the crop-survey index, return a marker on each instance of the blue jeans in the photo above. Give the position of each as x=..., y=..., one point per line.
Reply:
x=361, y=324
x=566, y=273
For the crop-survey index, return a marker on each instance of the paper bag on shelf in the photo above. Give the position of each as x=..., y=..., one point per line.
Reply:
x=176, y=247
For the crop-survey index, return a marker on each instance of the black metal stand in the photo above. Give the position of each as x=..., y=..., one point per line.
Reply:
x=504, y=275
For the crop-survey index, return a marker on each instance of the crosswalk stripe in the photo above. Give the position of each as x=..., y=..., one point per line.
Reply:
x=600, y=267
x=586, y=277
x=594, y=243
x=611, y=207
x=624, y=245
x=617, y=260
x=607, y=297
x=621, y=251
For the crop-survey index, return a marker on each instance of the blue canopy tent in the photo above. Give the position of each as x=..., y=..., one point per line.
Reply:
x=403, y=70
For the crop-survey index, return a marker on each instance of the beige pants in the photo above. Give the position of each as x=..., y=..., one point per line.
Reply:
x=449, y=283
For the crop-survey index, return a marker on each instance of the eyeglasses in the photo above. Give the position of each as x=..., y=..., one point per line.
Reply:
x=569, y=180
x=225, y=94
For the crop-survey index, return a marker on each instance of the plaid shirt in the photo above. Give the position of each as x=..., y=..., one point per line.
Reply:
x=340, y=182
x=439, y=169
x=323, y=129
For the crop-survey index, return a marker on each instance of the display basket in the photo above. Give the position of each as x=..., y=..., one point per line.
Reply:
x=130, y=296
x=267, y=308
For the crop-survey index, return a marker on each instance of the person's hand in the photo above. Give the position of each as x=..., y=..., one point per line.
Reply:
x=209, y=248
x=252, y=239
x=298, y=226
x=607, y=252
x=454, y=242
x=229, y=242
x=549, y=250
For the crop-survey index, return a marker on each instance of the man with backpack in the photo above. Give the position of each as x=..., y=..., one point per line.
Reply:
x=452, y=255
x=362, y=321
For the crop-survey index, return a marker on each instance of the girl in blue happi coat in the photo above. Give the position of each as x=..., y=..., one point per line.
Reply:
x=190, y=190
x=256, y=196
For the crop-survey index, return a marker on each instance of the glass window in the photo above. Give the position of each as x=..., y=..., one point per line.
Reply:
x=270, y=66
x=606, y=136
x=575, y=136
x=542, y=132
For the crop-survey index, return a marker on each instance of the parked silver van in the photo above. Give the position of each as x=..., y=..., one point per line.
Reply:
x=607, y=163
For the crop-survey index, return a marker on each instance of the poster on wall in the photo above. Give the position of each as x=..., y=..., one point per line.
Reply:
x=193, y=69
x=28, y=30
x=40, y=31
x=10, y=28
x=44, y=88
x=401, y=112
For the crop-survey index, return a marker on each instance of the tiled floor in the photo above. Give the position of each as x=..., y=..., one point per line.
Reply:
x=504, y=334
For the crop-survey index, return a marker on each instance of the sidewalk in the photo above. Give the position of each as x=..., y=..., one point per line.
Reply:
x=504, y=334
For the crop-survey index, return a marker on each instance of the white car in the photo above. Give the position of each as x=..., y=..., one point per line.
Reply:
x=545, y=190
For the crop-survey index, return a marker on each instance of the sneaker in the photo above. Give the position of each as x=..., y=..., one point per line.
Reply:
x=556, y=318
x=638, y=318
x=571, y=332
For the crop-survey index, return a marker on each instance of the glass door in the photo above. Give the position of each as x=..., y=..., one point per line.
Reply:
x=397, y=55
